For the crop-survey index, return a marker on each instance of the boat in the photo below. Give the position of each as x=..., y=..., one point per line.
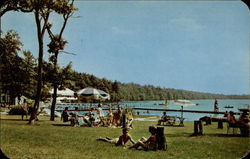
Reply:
x=163, y=104
x=242, y=109
x=228, y=106
x=183, y=102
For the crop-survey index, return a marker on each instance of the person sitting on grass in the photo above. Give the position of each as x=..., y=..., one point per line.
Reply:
x=100, y=115
x=74, y=118
x=242, y=122
x=231, y=118
x=129, y=118
x=163, y=118
x=147, y=144
x=65, y=115
x=110, y=116
x=117, y=117
x=121, y=141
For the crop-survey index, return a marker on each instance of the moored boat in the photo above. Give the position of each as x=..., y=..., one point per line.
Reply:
x=228, y=106
x=183, y=102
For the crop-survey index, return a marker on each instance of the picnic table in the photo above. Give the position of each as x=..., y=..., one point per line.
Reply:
x=209, y=120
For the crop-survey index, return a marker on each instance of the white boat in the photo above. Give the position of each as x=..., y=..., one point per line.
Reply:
x=183, y=102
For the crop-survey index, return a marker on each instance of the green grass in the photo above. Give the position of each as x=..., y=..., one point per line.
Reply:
x=51, y=140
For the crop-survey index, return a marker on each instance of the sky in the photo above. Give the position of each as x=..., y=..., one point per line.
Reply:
x=199, y=46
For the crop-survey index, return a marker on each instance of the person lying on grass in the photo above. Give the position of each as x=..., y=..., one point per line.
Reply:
x=121, y=141
x=147, y=144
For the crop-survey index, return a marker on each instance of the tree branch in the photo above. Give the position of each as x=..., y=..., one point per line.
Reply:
x=46, y=18
x=16, y=8
x=25, y=10
x=67, y=52
x=51, y=35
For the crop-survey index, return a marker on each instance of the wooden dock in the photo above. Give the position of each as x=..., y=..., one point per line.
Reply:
x=180, y=110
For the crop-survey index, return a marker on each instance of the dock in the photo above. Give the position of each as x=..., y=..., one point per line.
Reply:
x=187, y=111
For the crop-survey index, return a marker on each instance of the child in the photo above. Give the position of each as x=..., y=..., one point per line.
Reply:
x=121, y=141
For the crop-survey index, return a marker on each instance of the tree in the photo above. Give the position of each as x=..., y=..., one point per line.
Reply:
x=66, y=9
x=41, y=10
x=10, y=64
x=15, y=5
x=15, y=69
x=29, y=67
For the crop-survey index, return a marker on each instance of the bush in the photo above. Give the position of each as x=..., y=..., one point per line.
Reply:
x=17, y=111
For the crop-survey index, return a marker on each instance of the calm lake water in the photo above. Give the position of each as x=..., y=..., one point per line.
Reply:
x=202, y=105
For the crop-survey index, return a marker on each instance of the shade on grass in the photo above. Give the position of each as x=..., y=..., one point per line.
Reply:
x=54, y=139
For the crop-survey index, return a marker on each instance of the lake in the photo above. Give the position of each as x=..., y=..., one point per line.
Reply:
x=202, y=105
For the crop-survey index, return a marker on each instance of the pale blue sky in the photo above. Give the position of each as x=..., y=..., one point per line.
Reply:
x=192, y=45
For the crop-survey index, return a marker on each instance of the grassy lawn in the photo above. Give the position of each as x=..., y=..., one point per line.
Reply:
x=56, y=140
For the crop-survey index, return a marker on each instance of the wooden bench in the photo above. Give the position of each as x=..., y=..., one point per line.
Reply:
x=171, y=121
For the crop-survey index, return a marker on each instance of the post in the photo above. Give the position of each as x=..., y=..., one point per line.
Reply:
x=200, y=127
x=181, y=119
x=123, y=121
x=161, y=139
x=208, y=121
x=196, y=128
x=181, y=111
x=220, y=124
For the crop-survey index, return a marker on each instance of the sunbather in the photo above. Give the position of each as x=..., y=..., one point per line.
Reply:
x=121, y=141
x=231, y=118
x=117, y=117
x=147, y=144
x=100, y=115
x=244, y=124
x=129, y=118
x=74, y=118
x=110, y=116
x=241, y=122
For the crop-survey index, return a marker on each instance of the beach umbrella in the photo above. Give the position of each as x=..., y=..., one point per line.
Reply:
x=63, y=92
x=93, y=93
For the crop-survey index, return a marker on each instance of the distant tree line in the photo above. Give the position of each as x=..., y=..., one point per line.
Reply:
x=135, y=92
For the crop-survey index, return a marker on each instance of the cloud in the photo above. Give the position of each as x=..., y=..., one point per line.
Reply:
x=187, y=23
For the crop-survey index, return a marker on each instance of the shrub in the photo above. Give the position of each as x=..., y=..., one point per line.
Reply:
x=17, y=111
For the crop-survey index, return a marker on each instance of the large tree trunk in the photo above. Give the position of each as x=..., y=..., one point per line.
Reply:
x=40, y=35
x=53, y=105
x=55, y=84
